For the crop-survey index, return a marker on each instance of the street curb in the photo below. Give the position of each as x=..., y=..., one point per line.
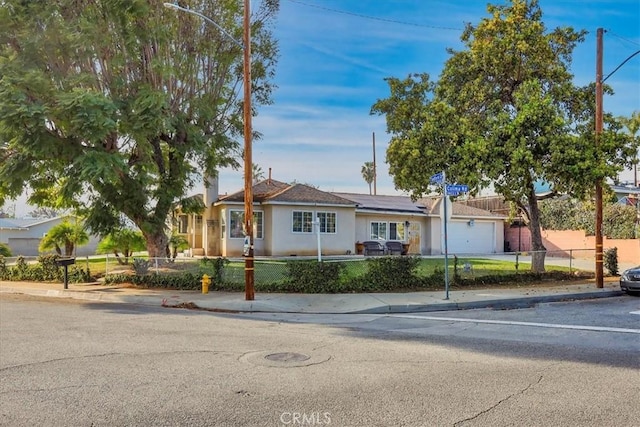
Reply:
x=81, y=295
x=498, y=304
x=266, y=307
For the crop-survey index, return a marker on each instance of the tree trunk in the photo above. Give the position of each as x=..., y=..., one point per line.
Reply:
x=538, y=250
x=157, y=244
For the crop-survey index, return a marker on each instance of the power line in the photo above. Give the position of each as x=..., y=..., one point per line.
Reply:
x=623, y=38
x=373, y=18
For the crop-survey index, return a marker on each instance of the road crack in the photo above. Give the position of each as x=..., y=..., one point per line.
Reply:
x=500, y=402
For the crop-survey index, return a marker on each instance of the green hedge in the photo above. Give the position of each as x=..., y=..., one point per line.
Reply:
x=45, y=270
x=376, y=274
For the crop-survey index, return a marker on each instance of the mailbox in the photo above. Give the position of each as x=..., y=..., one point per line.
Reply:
x=65, y=262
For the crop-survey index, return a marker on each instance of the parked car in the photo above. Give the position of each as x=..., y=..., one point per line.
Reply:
x=630, y=280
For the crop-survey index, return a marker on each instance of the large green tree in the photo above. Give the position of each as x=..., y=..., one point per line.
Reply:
x=504, y=112
x=117, y=108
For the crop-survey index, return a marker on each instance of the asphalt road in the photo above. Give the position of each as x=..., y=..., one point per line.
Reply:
x=71, y=363
x=602, y=331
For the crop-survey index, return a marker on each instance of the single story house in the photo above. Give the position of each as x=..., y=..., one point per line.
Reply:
x=23, y=235
x=284, y=217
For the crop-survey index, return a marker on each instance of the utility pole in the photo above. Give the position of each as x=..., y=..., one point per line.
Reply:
x=375, y=170
x=598, y=133
x=248, y=164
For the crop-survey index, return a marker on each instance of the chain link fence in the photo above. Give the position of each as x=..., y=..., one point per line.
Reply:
x=275, y=269
x=269, y=271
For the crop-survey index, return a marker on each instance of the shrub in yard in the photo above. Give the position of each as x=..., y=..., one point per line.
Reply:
x=217, y=264
x=180, y=281
x=435, y=279
x=46, y=270
x=50, y=269
x=5, y=250
x=141, y=266
x=611, y=261
x=388, y=272
x=313, y=276
x=4, y=270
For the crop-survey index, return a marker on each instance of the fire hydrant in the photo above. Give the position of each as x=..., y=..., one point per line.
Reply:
x=206, y=281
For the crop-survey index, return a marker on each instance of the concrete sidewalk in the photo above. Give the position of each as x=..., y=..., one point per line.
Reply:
x=378, y=303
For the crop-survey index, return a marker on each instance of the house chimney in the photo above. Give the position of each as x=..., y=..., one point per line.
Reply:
x=269, y=181
x=210, y=190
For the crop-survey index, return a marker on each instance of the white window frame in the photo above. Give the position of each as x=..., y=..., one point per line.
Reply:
x=399, y=226
x=306, y=224
x=372, y=234
x=223, y=223
x=324, y=222
x=258, y=223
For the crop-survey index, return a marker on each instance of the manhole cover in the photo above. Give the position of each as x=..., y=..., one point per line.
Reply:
x=287, y=357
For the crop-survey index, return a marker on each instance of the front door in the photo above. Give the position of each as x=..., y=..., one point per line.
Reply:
x=414, y=238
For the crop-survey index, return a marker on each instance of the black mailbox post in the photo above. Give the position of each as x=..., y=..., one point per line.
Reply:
x=65, y=262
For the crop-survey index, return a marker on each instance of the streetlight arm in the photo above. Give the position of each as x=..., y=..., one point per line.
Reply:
x=209, y=20
x=618, y=67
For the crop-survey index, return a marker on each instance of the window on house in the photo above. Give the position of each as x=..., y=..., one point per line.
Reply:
x=183, y=224
x=235, y=224
x=199, y=222
x=236, y=221
x=327, y=222
x=379, y=230
x=302, y=222
x=223, y=223
x=396, y=231
x=258, y=224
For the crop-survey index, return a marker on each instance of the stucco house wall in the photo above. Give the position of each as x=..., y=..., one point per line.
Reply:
x=415, y=229
x=283, y=241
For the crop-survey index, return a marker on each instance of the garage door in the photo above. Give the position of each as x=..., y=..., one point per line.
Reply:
x=464, y=238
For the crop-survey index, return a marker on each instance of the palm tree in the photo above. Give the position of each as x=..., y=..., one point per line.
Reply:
x=258, y=173
x=368, y=173
x=125, y=241
x=633, y=126
x=65, y=235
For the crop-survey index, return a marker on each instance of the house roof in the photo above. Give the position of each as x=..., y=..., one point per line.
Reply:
x=402, y=204
x=625, y=190
x=272, y=191
x=23, y=223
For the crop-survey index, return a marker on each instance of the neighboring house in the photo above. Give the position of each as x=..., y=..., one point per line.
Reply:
x=627, y=195
x=23, y=235
x=284, y=216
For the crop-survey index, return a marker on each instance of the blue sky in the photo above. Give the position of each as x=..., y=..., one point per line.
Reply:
x=334, y=55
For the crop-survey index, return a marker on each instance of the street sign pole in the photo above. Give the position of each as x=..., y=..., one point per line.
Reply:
x=445, y=198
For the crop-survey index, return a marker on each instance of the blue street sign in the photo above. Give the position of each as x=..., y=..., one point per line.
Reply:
x=457, y=188
x=437, y=178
